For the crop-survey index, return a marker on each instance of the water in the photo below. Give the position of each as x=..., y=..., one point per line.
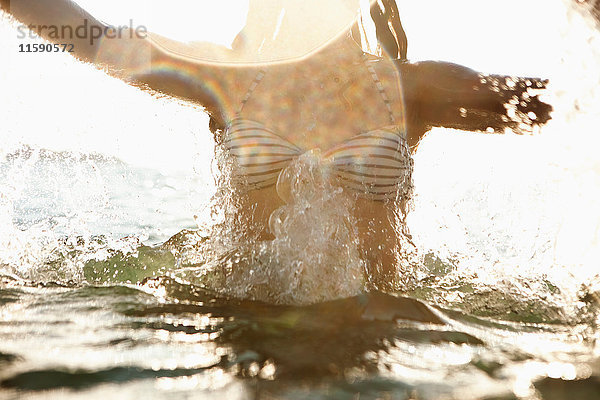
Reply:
x=109, y=289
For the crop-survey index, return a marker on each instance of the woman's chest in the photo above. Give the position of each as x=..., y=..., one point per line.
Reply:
x=318, y=105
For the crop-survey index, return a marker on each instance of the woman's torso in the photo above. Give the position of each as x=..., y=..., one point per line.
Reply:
x=323, y=102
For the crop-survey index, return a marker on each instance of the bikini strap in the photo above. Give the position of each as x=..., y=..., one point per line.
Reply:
x=255, y=82
x=380, y=89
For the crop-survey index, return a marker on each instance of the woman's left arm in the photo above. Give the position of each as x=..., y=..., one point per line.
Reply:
x=449, y=95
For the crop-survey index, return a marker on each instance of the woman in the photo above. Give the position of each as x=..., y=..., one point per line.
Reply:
x=338, y=109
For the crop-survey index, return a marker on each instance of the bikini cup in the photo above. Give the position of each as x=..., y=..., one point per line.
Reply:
x=373, y=164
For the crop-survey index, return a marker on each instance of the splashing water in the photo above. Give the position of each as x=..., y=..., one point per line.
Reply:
x=314, y=254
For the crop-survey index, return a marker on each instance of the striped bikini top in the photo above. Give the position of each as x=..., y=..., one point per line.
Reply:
x=375, y=164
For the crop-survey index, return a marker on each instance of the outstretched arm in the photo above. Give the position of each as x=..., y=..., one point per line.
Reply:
x=39, y=15
x=131, y=56
x=453, y=96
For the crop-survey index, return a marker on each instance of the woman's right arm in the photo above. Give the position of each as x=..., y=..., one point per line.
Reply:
x=39, y=15
x=131, y=56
